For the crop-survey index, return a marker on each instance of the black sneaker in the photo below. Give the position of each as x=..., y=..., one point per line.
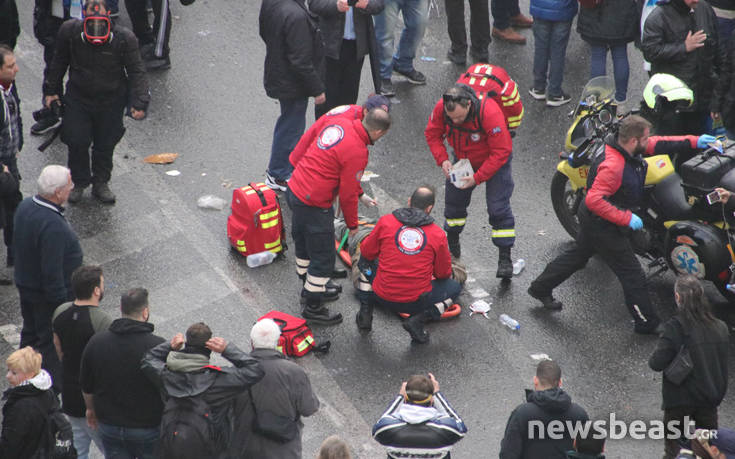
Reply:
x=45, y=125
x=413, y=76
x=547, y=300
x=555, y=101
x=274, y=183
x=654, y=328
x=103, y=193
x=76, y=194
x=154, y=64
x=538, y=94
x=457, y=58
x=386, y=87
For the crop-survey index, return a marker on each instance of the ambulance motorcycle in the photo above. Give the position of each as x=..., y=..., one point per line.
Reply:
x=682, y=230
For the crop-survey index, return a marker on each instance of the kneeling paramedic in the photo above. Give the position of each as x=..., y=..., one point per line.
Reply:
x=476, y=130
x=608, y=214
x=409, y=249
x=332, y=165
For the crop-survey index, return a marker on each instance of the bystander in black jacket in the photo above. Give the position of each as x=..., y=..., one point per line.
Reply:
x=9, y=24
x=123, y=395
x=332, y=25
x=48, y=251
x=24, y=417
x=708, y=346
x=544, y=406
x=294, y=53
x=726, y=96
x=187, y=373
x=45, y=24
x=663, y=46
x=99, y=75
x=611, y=23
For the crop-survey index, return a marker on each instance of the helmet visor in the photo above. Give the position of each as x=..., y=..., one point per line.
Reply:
x=97, y=29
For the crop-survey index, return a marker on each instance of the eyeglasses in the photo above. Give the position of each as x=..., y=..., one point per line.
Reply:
x=452, y=98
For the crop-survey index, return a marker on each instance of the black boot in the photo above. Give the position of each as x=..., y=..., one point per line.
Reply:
x=505, y=264
x=315, y=313
x=547, y=299
x=364, y=316
x=414, y=325
x=333, y=286
x=328, y=295
x=453, y=240
x=103, y=193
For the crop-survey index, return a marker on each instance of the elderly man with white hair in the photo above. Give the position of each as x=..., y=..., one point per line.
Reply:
x=278, y=401
x=46, y=251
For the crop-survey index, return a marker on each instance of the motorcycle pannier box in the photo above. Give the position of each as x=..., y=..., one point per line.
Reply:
x=702, y=173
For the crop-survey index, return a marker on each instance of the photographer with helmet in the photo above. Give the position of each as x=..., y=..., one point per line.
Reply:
x=106, y=74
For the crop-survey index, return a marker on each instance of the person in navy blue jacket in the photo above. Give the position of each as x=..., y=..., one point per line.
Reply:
x=419, y=422
x=552, y=21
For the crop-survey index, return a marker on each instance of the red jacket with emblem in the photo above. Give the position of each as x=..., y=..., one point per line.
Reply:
x=410, y=249
x=483, y=139
x=332, y=165
x=609, y=177
x=349, y=112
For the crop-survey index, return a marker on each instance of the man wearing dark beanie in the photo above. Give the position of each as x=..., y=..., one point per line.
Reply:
x=199, y=397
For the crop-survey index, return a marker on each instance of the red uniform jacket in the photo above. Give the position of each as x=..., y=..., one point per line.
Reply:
x=609, y=176
x=486, y=144
x=410, y=248
x=350, y=112
x=333, y=164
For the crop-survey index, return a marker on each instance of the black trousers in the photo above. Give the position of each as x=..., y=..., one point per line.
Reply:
x=9, y=202
x=161, y=31
x=703, y=417
x=37, y=332
x=102, y=128
x=606, y=240
x=343, y=78
x=312, y=229
x=479, y=26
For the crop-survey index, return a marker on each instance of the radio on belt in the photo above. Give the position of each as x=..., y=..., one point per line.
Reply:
x=459, y=170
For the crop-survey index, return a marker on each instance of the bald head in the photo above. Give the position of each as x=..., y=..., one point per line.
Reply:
x=423, y=198
x=376, y=123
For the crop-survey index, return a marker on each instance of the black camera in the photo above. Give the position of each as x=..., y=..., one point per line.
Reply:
x=55, y=110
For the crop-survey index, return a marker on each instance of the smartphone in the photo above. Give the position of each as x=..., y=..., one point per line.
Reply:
x=714, y=197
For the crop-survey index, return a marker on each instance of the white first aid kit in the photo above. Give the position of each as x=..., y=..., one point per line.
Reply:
x=459, y=170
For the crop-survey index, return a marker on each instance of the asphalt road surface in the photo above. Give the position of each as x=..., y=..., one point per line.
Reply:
x=211, y=109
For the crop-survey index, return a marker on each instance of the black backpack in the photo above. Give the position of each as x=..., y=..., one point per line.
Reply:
x=187, y=429
x=58, y=439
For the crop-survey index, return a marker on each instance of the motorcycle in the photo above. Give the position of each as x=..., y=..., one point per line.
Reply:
x=683, y=229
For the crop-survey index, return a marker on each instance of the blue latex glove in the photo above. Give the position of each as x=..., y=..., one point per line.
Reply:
x=703, y=140
x=635, y=222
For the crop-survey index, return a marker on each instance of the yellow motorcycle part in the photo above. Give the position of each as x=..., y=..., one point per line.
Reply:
x=659, y=167
x=577, y=175
x=568, y=145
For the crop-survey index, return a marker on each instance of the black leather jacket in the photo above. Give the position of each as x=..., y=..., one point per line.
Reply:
x=332, y=25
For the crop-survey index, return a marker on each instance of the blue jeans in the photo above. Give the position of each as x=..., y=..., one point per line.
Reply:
x=129, y=443
x=550, y=48
x=289, y=129
x=502, y=11
x=84, y=436
x=415, y=17
x=621, y=69
x=725, y=27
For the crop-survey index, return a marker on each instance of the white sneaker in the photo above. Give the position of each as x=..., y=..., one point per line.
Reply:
x=274, y=183
x=536, y=94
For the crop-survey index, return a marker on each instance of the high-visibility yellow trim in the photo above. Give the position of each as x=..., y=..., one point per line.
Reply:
x=512, y=102
x=270, y=245
x=269, y=215
x=513, y=95
x=456, y=221
x=269, y=224
x=242, y=249
x=472, y=80
x=279, y=349
x=504, y=233
x=308, y=340
x=241, y=243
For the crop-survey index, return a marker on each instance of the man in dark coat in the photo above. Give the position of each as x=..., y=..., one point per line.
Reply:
x=293, y=73
x=680, y=38
x=347, y=32
x=106, y=74
x=9, y=24
x=181, y=369
x=527, y=435
x=48, y=252
x=11, y=143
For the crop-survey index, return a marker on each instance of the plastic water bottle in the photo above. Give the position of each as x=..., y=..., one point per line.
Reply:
x=75, y=9
x=518, y=266
x=730, y=287
x=509, y=322
x=260, y=259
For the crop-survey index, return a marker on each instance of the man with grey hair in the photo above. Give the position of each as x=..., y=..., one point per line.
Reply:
x=47, y=252
x=284, y=391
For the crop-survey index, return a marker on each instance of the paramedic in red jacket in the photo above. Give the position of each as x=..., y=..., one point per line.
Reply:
x=608, y=213
x=476, y=130
x=410, y=249
x=331, y=167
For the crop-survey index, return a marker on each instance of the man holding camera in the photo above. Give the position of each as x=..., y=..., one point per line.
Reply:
x=106, y=74
x=11, y=142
